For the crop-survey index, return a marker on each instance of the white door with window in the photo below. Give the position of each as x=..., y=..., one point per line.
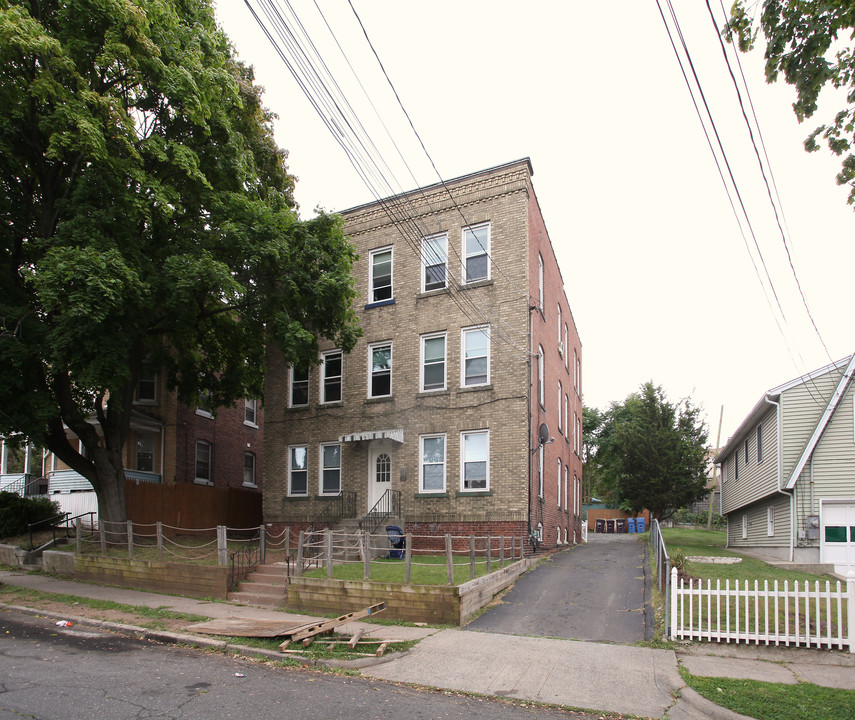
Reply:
x=837, y=535
x=379, y=471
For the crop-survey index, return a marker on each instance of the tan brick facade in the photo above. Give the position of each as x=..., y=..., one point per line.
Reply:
x=435, y=398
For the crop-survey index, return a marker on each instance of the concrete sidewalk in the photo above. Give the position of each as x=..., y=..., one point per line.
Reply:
x=595, y=676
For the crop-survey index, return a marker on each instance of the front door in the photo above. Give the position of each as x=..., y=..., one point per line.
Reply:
x=379, y=471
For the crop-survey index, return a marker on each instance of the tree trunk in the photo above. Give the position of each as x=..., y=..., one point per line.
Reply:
x=109, y=484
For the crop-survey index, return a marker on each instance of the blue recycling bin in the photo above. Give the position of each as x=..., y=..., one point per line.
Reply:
x=630, y=525
x=639, y=524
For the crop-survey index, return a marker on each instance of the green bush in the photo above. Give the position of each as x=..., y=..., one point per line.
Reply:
x=17, y=512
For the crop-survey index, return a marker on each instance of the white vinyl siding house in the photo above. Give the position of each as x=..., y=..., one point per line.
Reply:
x=807, y=473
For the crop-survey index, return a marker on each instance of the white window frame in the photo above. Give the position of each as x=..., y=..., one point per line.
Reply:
x=567, y=349
x=201, y=479
x=575, y=372
x=567, y=416
x=323, y=468
x=371, y=349
x=561, y=345
x=292, y=470
x=540, y=471
x=423, y=362
x=465, y=334
x=325, y=356
x=292, y=384
x=250, y=412
x=560, y=473
x=464, y=459
x=422, y=463
x=540, y=282
x=430, y=259
x=372, y=290
x=541, y=390
x=485, y=252
x=142, y=438
x=770, y=521
x=251, y=482
x=560, y=401
x=147, y=377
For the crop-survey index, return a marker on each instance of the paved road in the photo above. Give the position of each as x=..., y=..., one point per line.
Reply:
x=54, y=673
x=593, y=592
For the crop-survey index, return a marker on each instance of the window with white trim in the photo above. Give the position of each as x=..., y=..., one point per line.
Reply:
x=299, y=387
x=433, y=362
x=331, y=376
x=475, y=363
x=298, y=470
x=560, y=344
x=770, y=521
x=203, y=462
x=540, y=282
x=475, y=460
x=560, y=400
x=432, y=463
x=249, y=469
x=746, y=452
x=380, y=370
x=566, y=349
x=145, y=452
x=380, y=276
x=575, y=371
x=476, y=253
x=540, y=471
x=434, y=262
x=541, y=396
x=559, y=482
x=330, y=469
x=567, y=416
x=250, y=412
x=146, y=385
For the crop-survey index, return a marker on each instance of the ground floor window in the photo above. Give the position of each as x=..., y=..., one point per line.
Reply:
x=432, y=465
x=298, y=470
x=249, y=469
x=474, y=460
x=203, y=462
x=330, y=469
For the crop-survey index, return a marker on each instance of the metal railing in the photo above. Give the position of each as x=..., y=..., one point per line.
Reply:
x=663, y=568
x=338, y=507
x=57, y=522
x=242, y=562
x=389, y=505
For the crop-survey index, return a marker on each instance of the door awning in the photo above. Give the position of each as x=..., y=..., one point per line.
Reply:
x=396, y=435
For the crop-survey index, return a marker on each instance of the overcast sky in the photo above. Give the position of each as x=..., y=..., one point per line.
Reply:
x=661, y=281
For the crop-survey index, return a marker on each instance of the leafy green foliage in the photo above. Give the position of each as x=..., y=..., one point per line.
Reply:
x=146, y=215
x=809, y=42
x=17, y=512
x=651, y=453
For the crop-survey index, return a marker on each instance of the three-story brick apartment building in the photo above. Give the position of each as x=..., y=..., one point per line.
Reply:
x=463, y=399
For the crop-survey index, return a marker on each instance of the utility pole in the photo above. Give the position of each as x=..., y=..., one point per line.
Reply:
x=715, y=471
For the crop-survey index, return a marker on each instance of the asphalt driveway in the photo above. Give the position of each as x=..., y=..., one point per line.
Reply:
x=595, y=592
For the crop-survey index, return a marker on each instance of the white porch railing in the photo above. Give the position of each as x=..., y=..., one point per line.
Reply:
x=798, y=615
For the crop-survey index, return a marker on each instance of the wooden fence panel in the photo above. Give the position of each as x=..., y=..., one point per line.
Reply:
x=192, y=506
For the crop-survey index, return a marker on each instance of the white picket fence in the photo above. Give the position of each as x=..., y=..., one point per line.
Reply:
x=796, y=614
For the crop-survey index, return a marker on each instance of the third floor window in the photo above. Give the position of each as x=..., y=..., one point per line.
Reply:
x=381, y=275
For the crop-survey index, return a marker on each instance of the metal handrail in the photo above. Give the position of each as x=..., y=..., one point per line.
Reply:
x=663, y=567
x=242, y=562
x=54, y=521
x=389, y=505
x=339, y=506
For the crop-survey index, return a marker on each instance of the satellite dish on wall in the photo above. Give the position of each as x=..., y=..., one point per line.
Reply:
x=543, y=433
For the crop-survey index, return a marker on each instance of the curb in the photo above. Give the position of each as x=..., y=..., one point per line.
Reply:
x=201, y=642
x=693, y=705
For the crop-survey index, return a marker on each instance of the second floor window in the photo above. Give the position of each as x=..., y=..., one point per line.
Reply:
x=434, y=262
x=250, y=413
x=476, y=249
x=433, y=362
x=147, y=385
x=381, y=275
x=380, y=370
x=299, y=386
x=249, y=469
x=475, y=364
x=331, y=377
x=203, y=462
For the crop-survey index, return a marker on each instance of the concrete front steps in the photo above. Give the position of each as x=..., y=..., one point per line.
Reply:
x=266, y=586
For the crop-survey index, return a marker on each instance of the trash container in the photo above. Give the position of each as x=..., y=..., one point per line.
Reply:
x=639, y=524
x=630, y=525
x=620, y=525
x=398, y=541
x=601, y=525
x=610, y=526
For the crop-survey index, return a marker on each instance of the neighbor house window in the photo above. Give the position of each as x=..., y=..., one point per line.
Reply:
x=476, y=251
x=147, y=385
x=560, y=344
x=759, y=443
x=474, y=459
x=434, y=262
x=298, y=470
x=205, y=406
x=432, y=465
x=560, y=399
x=249, y=469
x=736, y=465
x=475, y=368
x=433, y=362
x=145, y=453
x=770, y=520
x=541, y=396
x=540, y=471
x=380, y=280
x=567, y=349
x=540, y=282
x=746, y=452
x=250, y=412
x=330, y=469
x=380, y=370
x=331, y=376
x=559, y=483
x=203, y=462
x=567, y=416
x=299, y=386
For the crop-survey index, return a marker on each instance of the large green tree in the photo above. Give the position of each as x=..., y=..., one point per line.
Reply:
x=651, y=453
x=146, y=216
x=809, y=42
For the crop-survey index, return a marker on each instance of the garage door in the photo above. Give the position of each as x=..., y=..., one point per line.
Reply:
x=838, y=535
